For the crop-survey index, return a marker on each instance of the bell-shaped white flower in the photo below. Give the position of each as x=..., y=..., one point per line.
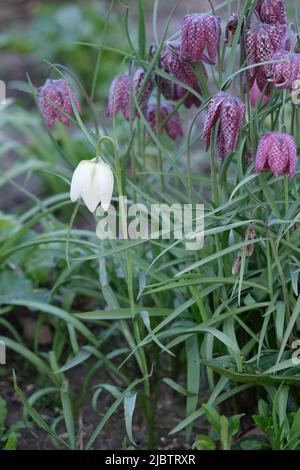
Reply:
x=93, y=182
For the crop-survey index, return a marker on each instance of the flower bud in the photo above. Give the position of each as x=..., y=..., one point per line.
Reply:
x=236, y=264
x=231, y=27
x=93, y=182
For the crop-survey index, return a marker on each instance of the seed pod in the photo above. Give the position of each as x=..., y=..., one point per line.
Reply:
x=250, y=235
x=236, y=264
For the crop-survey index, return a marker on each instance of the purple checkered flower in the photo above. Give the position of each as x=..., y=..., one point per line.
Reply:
x=172, y=62
x=285, y=74
x=200, y=32
x=172, y=127
x=272, y=11
x=54, y=100
x=119, y=89
x=261, y=42
x=277, y=151
x=231, y=113
x=119, y=98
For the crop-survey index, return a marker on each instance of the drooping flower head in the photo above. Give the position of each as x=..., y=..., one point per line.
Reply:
x=121, y=93
x=200, y=32
x=272, y=11
x=172, y=62
x=54, y=100
x=231, y=113
x=261, y=42
x=231, y=27
x=93, y=182
x=118, y=91
x=173, y=125
x=277, y=151
x=286, y=73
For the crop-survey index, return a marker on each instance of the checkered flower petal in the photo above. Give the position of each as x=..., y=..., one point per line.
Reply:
x=53, y=98
x=172, y=62
x=285, y=74
x=261, y=43
x=212, y=115
x=231, y=113
x=119, y=98
x=231, y=119
x=272, y=11
x=277, y=151
x=200, y=32
x=119, y=88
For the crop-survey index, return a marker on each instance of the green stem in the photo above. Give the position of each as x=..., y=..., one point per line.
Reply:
x=160, y=159
x=149, y=408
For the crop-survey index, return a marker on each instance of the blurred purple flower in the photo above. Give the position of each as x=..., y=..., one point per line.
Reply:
x=272, y=11
x=119, y=98
x=173, y=126
x=285, y=74
x=261, y=42
x=200, y=31
x=256, y=95
x=174, y=92
x=53, y=97
x=231, y=113
x=277, y=151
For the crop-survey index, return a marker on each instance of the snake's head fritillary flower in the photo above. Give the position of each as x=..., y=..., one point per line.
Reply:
x=55, y=103
x=277, y=151
x=119, y=89
x=173, y=63
x=173, y=125
x=121, y=93
x=231, y=27
x=272, y=11
x=93, y=182
x=261, y=43
x=231, y=113
x=200, y=38
x=286, y=73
